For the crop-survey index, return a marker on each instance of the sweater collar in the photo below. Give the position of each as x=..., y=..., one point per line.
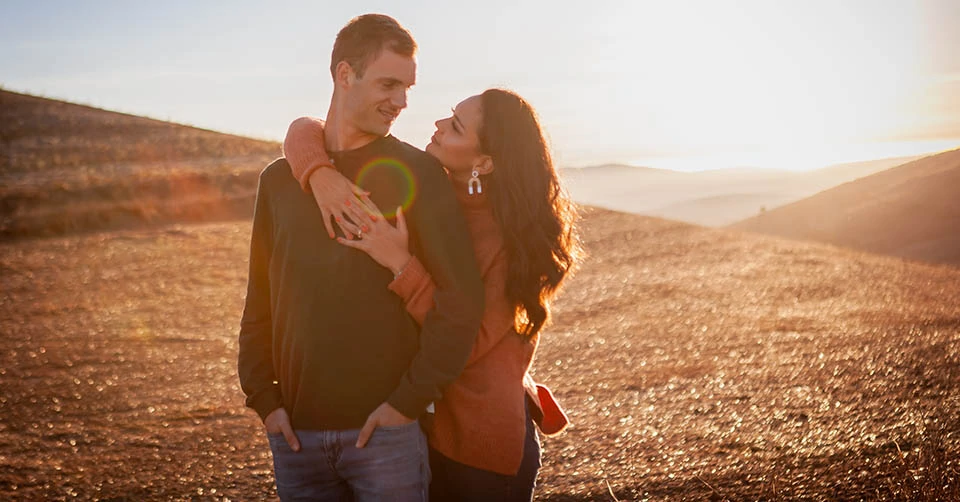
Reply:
x=372, y=146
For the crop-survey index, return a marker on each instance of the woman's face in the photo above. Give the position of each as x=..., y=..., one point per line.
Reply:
x=456, y=143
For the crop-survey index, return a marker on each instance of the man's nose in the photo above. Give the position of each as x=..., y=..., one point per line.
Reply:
x=399, y=99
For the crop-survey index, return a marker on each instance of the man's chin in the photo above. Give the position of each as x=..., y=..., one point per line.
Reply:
x=379, y=129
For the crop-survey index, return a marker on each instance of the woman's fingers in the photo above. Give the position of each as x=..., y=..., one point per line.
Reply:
x=401, y=221
x=358, y=191
x=326, y=222
x=361, y=244
x=350, y=229
x=371, y=207
x=357, y=212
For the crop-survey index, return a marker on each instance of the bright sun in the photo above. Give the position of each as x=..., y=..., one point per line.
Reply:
x=766, y=76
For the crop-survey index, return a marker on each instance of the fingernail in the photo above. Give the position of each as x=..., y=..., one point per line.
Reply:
x=347, y=203
x=339, y=218
x=373, y=218
x=365, y=228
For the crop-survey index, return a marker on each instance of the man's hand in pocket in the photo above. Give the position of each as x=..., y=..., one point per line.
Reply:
x=279, y=422
x=383, y=415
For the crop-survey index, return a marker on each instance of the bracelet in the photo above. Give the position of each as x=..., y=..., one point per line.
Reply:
x=404, y=267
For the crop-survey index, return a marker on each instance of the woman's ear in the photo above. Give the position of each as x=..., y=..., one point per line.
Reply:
x=483, y=165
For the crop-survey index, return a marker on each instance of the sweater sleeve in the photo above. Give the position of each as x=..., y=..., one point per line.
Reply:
x=416, y=288
x=450, y=327
x=255, y=358
x=305, y=150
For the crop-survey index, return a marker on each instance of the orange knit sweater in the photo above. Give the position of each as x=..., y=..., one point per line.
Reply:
x=480, y=421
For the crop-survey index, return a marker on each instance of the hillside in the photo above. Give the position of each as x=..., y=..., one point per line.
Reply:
x=713, y=198
x=696, y=364
x=66, y=167
x=911, y=211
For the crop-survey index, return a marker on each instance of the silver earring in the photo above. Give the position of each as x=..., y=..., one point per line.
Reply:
x=474, y=181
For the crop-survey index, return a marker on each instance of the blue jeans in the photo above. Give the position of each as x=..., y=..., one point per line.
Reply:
x=394, y=465
x=453, y=481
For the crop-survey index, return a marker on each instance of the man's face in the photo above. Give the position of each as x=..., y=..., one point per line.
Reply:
x=375, y=100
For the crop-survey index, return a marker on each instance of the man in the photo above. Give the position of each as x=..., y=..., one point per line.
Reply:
x=328, y=356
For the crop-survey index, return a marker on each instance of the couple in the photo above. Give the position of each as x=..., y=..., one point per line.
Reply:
x=428, y=290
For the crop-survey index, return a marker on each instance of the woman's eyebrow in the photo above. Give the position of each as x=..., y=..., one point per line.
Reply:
x=457, y=119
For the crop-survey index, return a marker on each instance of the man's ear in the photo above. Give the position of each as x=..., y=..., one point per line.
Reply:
x=344, y=74
x=483, y=165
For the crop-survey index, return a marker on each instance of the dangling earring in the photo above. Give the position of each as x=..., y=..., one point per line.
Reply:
x=475, y=180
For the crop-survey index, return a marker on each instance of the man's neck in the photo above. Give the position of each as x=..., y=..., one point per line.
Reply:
x=341, y=135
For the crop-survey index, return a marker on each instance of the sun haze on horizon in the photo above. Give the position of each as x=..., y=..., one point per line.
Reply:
x=684, y=85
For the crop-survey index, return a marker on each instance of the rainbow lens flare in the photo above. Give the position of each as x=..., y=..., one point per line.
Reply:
x=389, y=174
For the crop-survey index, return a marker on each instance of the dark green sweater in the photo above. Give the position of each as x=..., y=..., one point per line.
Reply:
x=321, y=334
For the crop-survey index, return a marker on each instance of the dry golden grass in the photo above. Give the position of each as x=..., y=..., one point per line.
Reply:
x=66, y=168
x=911, y=211
x=695, y=364
x=49, y=139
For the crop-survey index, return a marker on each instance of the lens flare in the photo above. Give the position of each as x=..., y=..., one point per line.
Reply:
x=386, y=175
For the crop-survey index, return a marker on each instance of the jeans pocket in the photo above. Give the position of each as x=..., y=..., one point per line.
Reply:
x=392, y=436
x=277, y=441
x=398, y=428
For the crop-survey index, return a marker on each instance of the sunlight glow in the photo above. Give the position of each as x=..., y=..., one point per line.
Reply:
x=796, y=80
x=800, y=159
x=770, y=77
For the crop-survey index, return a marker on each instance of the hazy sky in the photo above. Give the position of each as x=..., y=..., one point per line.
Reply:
x=682, y=84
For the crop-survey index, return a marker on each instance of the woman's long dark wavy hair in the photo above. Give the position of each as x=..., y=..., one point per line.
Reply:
x=535, y=214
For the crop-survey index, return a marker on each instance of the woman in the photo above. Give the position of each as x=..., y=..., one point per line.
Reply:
x=483, y=442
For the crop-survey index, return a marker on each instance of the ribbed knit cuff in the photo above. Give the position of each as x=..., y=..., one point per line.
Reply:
x=405, y=285
x=304, y=179
x=305, y=150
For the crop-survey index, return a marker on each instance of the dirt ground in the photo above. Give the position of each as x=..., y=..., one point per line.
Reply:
x=695, y=364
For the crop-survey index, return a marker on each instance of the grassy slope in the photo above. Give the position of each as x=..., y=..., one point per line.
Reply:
x=66, y=168
x=694, y=363
x=911, y=211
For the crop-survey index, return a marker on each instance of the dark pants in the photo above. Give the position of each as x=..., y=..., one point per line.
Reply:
x=453, y=481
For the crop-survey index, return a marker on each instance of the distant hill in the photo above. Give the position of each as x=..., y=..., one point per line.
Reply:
x=715, y=197
x=615, y=169
x=719, y=210
x=911, y=211
x=66, y=167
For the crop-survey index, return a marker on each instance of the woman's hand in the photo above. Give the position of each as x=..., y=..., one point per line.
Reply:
x=338, y=197
x=386, y=244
